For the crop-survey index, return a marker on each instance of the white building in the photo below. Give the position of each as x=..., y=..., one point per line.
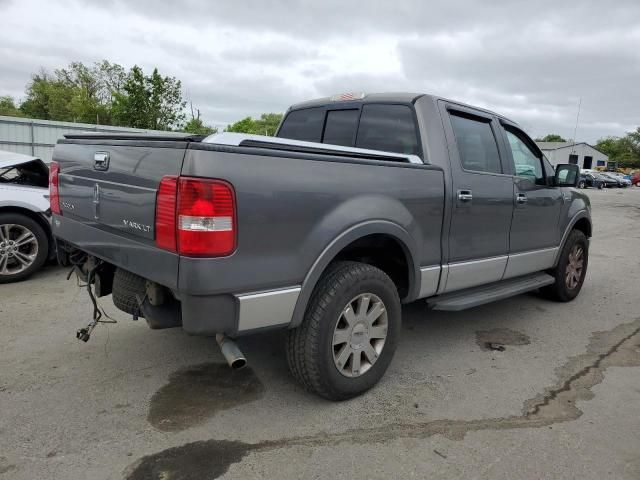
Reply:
x=37, y=138
x=581, y=154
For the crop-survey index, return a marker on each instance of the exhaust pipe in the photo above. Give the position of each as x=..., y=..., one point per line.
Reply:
x=231, y=352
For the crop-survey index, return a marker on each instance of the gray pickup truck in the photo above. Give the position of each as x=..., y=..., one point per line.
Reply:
x=359, y=204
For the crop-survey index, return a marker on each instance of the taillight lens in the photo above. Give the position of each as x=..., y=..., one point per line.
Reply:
x=166, y=213
x=196, y=217
x=54, y=188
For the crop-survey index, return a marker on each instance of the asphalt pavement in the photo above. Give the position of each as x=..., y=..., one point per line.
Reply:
x=561, y=400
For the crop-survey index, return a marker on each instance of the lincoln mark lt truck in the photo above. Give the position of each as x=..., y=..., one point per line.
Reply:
x=359, y=204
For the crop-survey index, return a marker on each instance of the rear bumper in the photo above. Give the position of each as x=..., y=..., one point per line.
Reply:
x=229, y=313
x=238, y=314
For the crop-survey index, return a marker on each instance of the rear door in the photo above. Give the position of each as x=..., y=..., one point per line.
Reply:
x=483, y=199
x=534, y=235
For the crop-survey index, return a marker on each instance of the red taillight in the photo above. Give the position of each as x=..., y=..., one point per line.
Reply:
x=196, y=217
x=166, y=213
x=54, y=190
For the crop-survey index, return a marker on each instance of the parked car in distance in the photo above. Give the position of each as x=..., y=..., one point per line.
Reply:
x=590, y=180
x=26, y=242
x=609, y=182
x=635, y=179
x=621, y=178
x=359, y=204
x=619, y=182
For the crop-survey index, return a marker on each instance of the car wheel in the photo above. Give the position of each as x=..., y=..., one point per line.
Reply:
x=349, y=332
x=600, y=186
x=570, y=270
x=24, y=247
x=581, y=184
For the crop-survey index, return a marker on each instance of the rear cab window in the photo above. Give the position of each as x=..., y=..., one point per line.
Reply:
x=390, y=128
x=341, y=127
x=305, y=125
x=375, y=126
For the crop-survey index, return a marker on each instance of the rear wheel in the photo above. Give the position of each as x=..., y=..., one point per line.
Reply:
x=24, y=247
x=349, y=333
x=582, y=184
x=570, y=270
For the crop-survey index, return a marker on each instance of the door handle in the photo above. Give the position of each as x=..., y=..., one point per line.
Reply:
x=465, y=195
x=521, y=198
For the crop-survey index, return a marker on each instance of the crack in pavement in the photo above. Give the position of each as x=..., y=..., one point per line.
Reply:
x=577, y=377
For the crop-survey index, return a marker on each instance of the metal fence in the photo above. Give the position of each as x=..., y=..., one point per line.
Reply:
x=38, y=137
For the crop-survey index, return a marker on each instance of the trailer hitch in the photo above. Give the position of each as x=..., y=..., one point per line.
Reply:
x=85, y=269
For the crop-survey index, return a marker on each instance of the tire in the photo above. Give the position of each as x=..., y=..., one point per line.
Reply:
x=125, y=287
x=561, y=290
x=311, y=348
x=582, y=184
x=600, y=186
x=17, y=262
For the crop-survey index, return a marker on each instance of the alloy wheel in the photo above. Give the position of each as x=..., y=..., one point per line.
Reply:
x=575, y=264
x=359, y=335
x=18, y=249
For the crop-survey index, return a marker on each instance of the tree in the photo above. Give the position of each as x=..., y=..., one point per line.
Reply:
x=153, y=102
x=197, y=126
x=8, y=107
x=624, y=150
x=551, y=137
x=267, y=124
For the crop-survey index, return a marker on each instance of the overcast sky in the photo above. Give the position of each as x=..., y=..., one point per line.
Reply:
x=530, y=60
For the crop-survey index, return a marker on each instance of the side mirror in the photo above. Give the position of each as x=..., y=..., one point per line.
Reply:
x=567, y=175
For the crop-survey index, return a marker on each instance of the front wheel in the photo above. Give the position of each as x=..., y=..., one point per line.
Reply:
x=349, y=332
x=570, y=270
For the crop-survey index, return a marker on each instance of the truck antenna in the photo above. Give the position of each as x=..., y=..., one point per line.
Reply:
x=575, y=130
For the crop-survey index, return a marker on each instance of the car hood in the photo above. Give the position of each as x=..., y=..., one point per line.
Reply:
x=12, y=159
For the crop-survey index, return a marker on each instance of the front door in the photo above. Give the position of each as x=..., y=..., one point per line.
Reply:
x=482, y=204
x=535, y=235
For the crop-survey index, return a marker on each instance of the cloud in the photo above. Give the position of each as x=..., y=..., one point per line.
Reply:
x=531, y=61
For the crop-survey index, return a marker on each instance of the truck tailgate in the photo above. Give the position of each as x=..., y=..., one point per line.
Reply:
x=108, y=198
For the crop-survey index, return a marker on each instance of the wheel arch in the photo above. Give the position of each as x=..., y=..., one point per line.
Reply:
x=580, y=221
x=346, y=246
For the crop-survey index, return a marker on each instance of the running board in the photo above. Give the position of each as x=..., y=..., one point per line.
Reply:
x=473, y=297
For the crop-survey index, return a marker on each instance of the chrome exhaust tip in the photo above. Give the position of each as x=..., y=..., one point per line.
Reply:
x=232, y=354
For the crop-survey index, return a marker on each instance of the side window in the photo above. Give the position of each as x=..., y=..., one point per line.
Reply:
x=525, y=162
x=390, y=128
x=305, y=124
x=476, y=144
x=341, y=127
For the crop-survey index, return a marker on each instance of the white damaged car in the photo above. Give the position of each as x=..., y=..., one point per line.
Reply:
x=26, y=242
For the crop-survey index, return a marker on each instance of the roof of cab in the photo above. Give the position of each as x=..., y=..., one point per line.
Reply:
x=388, y=97
x=400, y=97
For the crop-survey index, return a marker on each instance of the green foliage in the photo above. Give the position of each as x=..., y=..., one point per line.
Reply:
x=551, y=137
x=624, y=150
x=8, y=107
x=197, y=126
x=267, y=124
x=153, y=102
x=104, y=93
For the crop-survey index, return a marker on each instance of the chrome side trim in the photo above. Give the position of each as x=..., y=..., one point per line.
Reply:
x=429, y=278
x=529, y=262
x=443, y=279
x=475, y=272
x=266, y=309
